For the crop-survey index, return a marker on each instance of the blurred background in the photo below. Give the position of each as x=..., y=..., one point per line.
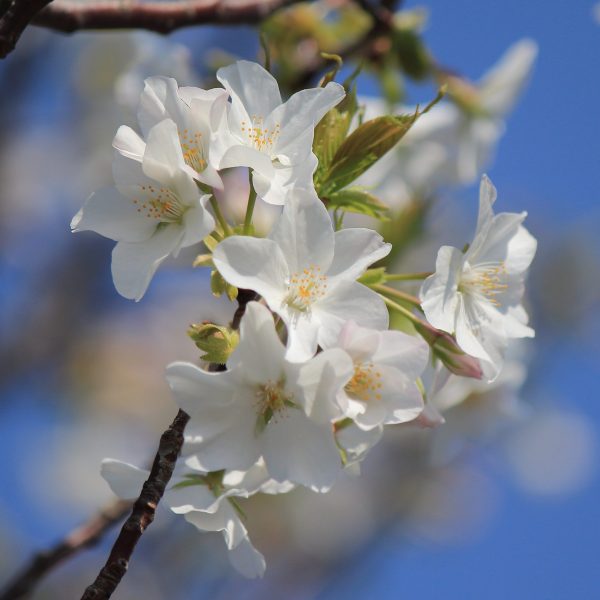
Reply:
x=502, y=501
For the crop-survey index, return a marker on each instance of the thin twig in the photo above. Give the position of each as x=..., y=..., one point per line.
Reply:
x=85, y=536
x=143, y=511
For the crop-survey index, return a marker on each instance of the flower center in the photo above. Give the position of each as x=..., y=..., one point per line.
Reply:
x=306, y=287
x=260, y=138
x=488, y=280
x=365, y=382
x=160, y=204
x=272, y=402
x=193, y=153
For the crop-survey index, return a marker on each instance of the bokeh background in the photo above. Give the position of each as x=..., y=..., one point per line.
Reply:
x=503, y=501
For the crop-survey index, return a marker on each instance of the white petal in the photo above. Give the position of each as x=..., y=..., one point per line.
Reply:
x=252, y=86
x=260, y=353
x=439, y=298
x=197, y=222
x=408, y=353
x=243, y=156
x=521, y=250
x=504, y=82
x=182, y=500
x=125, y=480
x=304, y=232
x=399, y=395
x=303, y=335
x=359, y=342
x=256, y=264
x=129, y=143
x=134, y=264
x=277, y=187
x=224, y=519
x=299, y=450
x=301, y=113
x=319, y=381
x=357, y=442
x=487, y=197
x=247, y=560
x=356, y=249
x=349, y=301
x=114, y=216
x=163, y=155
x=159, y=100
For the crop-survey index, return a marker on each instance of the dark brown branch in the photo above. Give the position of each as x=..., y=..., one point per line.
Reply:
x=162, y=17
x=15, y=15
x=85, y=536
x=143, y=512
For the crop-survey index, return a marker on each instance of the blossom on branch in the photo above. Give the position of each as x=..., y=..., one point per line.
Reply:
x=264, y=406
x=307, y=273
x=154, y=210
x=272, y=137
x=477, y=294
x=383, y=388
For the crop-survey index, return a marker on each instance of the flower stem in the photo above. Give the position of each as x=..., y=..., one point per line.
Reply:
x=403, y=296
x=219, y=216
x=249, y=208
x=407, y=276
x=401, y=309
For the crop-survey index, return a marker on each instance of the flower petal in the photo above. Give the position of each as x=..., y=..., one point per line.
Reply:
x=255, y=264
x=406, y=352
x=247, y=560
x=252, y=86
x=349, y=300
x=129, y=143
x=260, y=352
x=297, y=449
x=356, y=249
x=125, y=480
x=439, y=297
x=134, y=264
x=159, y=101
x=300, y=114
x=304, y=232
x=163, y=156
x=114, y=216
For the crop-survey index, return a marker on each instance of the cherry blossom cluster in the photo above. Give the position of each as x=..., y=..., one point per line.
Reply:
x=306, y=389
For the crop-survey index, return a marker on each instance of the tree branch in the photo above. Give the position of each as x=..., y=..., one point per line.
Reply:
x=85, y=536
x=163, y=17
x=14, y=17
x=143, y=511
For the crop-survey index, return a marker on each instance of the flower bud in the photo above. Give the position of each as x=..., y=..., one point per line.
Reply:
x=215, y=341
x=444, y=347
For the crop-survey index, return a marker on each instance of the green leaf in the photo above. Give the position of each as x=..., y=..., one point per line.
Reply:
x=358, y=200
x=215, y=341
x=363, y=148
x=219, y=286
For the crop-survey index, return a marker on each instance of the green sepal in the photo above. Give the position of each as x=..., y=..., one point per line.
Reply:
x=219, y=286
x=373, y=276
x=360, y=201
x=215, y=341
x=203, y=260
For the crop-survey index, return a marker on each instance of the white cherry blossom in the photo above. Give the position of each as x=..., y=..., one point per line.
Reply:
x=264, y=406
x=154, y=210
x=272, y=137
x=383, y=388
x=477, y=294
x=198, y=115
x=307, y=273
x=205, y=501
